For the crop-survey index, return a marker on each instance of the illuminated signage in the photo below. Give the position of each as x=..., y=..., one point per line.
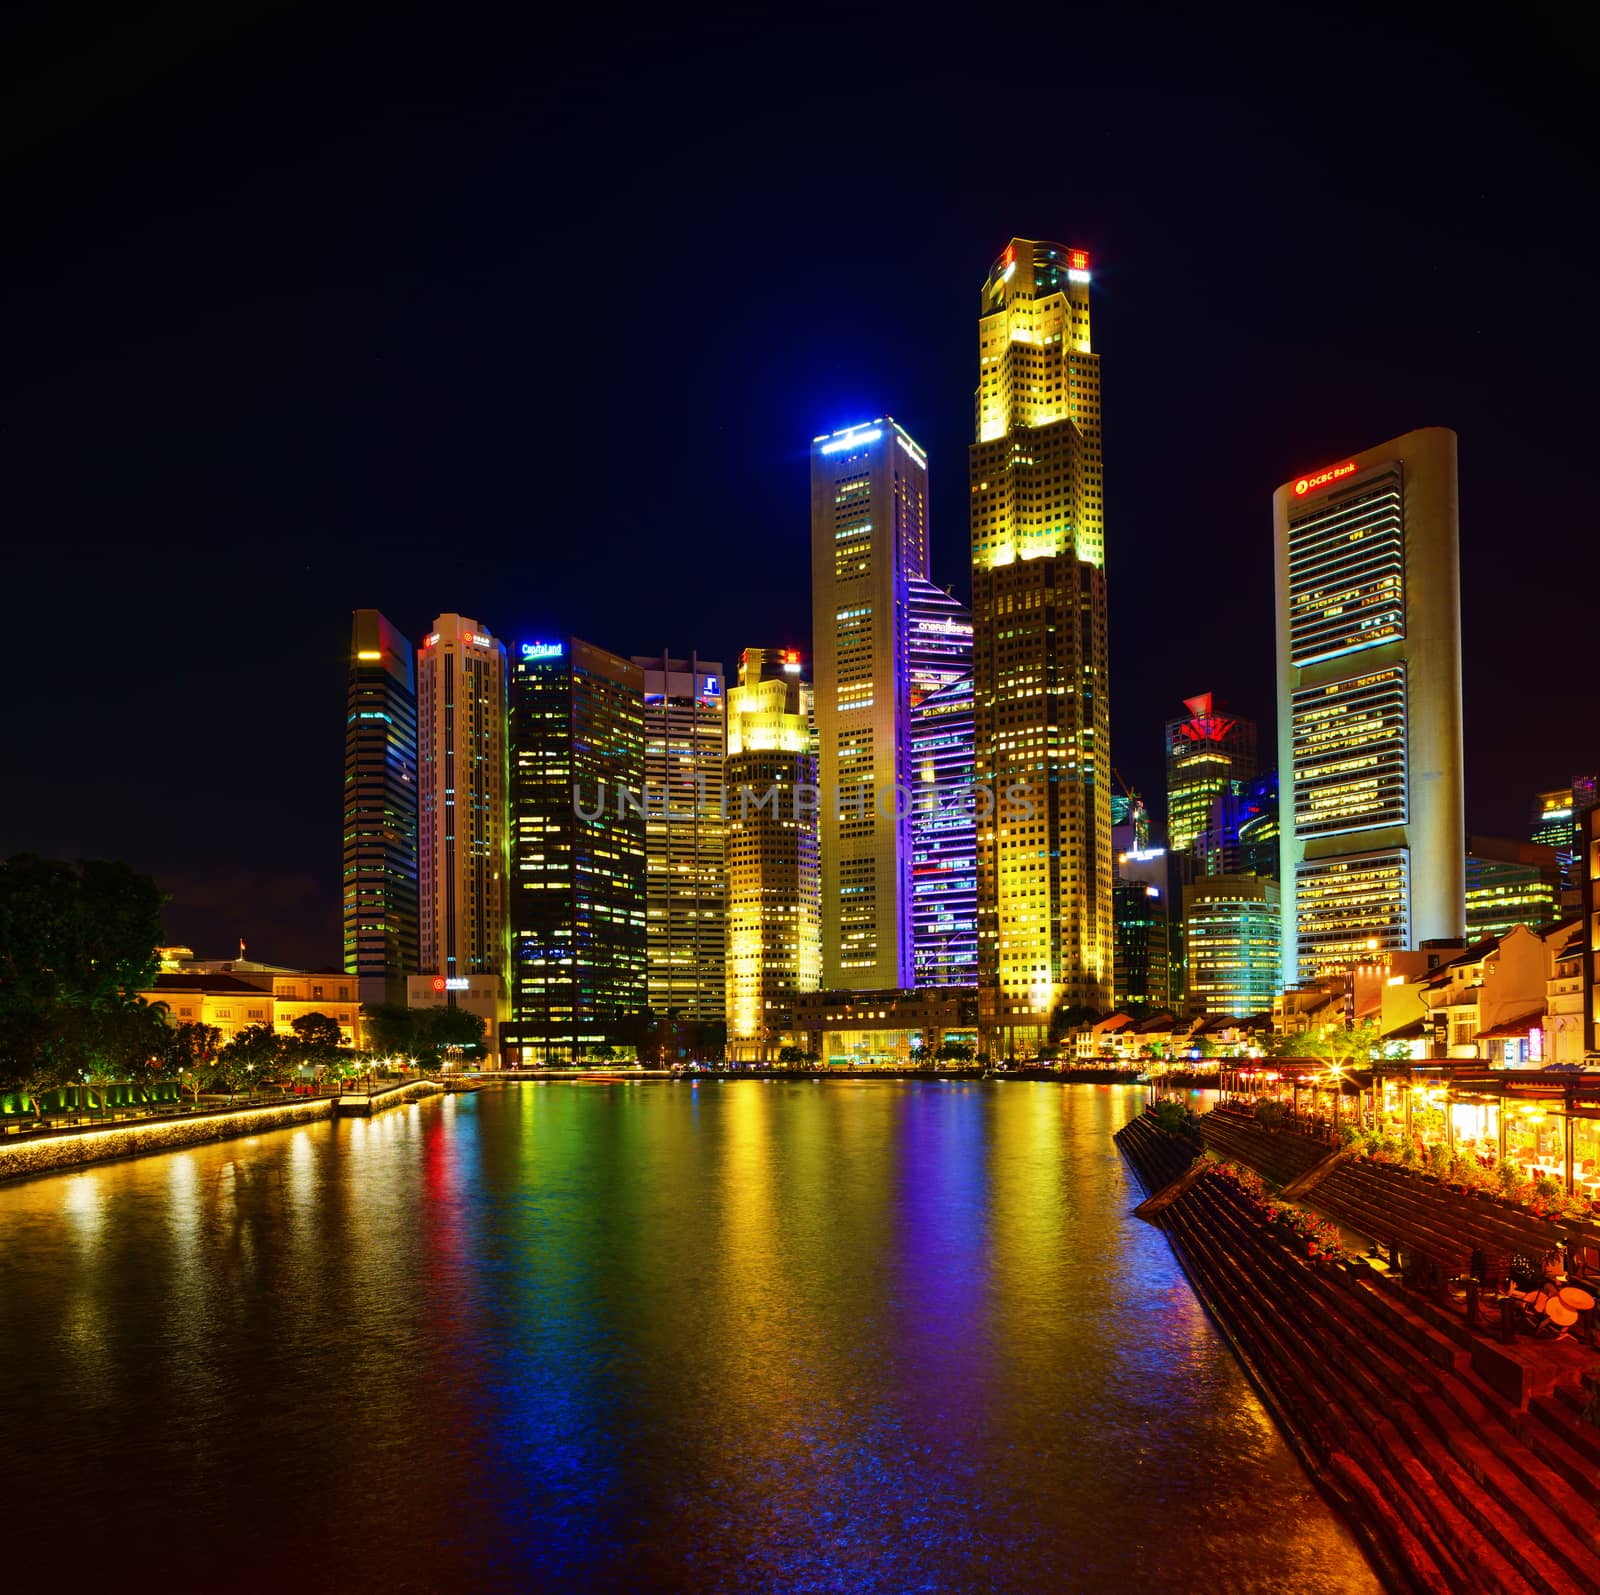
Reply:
x=369, y=653
x=542, y=650
x=430, y=639
x=479, y=641
x=852, y=440
x=1009, y=256
x=438, y=983
x=1309, y=484
x=455, y=983
x=1078, y=259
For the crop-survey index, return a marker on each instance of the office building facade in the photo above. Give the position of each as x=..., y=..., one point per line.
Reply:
x=1041, y=711
x=1372, y=832
x=869, y=543
x=464, y=846
x=774, y=924
x=578, y=880
x=1142, y=933
x=685, y=730
x=1241, y=832
x=1558, y=822
x=1512, y=883
x=1233, y=937
x=380, y=810
x=944, y=838
x=944, y=885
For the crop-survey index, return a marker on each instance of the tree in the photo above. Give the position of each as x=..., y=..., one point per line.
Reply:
x=76, y=941
x=255, y=1053
x=391, y=1028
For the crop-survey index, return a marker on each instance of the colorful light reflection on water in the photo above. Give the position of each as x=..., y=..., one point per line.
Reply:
x=737, y=1335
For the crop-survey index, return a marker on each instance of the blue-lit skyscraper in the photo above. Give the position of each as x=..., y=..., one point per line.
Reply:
x=944, y=862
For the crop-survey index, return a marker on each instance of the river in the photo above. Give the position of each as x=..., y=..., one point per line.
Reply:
x=737, y=1335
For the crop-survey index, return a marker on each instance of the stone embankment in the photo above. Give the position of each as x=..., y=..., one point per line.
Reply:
x=77, y=1147
x=1450, y=1485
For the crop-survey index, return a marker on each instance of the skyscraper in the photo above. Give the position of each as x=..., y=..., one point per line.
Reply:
x=577, y=816
x=380, y=810
x=774, y=929
x=1042, y=744
x=685, y=884
x=1558, y=822
x=1207, y=753
x=944, y=839
x=1241, y=834
x=1511, y=883
x=464, y=851
x=1140, y=909
x=944, y=879
x=1369, y=705
x=869, y=541
x=1234, y=944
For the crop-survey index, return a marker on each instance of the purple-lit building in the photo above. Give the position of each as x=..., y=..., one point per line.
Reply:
x=944, y=861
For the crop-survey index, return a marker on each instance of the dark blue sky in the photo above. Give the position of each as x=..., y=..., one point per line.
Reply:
x=308, y=313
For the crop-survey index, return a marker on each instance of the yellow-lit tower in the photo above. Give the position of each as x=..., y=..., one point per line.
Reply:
x=774, y=926
x=1043, y=758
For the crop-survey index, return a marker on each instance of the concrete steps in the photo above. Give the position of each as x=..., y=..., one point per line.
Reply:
x=1384, y=1404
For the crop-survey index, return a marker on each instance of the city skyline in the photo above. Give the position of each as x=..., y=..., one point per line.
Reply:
x=381, y=391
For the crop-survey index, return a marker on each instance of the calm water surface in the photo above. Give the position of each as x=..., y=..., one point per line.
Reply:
x=726, y=1336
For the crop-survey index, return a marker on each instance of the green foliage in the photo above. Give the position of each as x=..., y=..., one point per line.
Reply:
x=255, y=1054
x=76, y=941
x=1172, y=1117
x=425, y=1034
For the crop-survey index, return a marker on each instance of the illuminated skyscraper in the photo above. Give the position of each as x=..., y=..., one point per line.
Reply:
x=1208, y=753
x=463, y=859
x=1558, y=822
x=1234, y=942
x=944, y=883
x=578, y=890
x=1042, y=744
x=1369, y=705
x=774, y=879
x=685, y=887
x=869, y=543
x=944, y=864
x=1241, y=835
x=380, y=810
x=1511, y=883
x=1140, y=909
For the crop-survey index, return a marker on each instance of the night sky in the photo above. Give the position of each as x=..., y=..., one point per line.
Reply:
x=409, y=311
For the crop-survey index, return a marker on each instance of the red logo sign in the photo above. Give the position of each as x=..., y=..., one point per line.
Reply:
x=438, y=982
x=1309, y=484
x=1078, y=259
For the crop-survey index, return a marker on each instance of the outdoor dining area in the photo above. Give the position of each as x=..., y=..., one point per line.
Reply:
x=1544, y=1128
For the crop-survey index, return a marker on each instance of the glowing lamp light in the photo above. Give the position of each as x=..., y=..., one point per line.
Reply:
x=369, y=653
x=1309, y=484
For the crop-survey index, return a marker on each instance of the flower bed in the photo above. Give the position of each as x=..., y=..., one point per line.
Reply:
x=1543, y=1197
x=1311, y=1235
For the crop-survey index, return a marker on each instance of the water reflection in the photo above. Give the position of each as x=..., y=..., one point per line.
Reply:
x=719, y=1336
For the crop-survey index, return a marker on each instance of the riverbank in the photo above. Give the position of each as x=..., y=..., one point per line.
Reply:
x=1458, y=1458
x=88, y=1144
x=1088, y=1075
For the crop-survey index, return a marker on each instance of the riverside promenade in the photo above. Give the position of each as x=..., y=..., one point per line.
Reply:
x=100, y=1141
x=1454, y=1433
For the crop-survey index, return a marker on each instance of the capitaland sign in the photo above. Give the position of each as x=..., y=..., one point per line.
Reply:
x=1309, y=484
